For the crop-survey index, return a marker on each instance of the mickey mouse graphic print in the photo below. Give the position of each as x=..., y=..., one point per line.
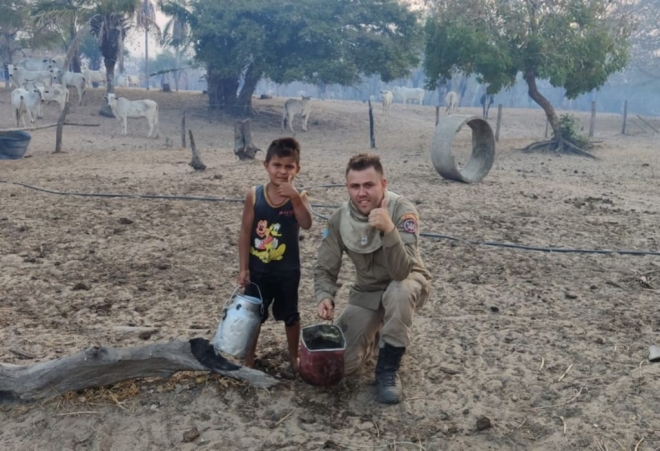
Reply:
x=275, y=233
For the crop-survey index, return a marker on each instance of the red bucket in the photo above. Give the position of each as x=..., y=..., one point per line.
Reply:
x=322, y=349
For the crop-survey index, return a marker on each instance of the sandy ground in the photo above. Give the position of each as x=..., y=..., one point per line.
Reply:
x=552, y=348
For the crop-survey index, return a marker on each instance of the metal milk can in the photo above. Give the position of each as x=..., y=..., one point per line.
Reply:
x=239, y=324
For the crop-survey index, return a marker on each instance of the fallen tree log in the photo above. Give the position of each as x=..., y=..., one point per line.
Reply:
x=100, y=366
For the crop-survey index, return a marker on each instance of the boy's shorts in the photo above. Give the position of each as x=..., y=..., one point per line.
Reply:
x=279, y=290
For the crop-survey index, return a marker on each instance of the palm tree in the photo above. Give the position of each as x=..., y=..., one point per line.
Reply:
x=109, y=21
x=12, y=21
x=176, y=32
x=146, y=19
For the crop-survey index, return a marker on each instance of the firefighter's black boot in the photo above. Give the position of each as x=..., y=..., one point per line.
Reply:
x=387, y=377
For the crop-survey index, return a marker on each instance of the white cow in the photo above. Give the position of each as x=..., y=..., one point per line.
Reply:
x=387, y=100
x=37, y=63
x=406, y=94
x=34, y=86
x=93, y=76
x=122, y=81
x=19, y=75
x=58, y=93
x=451, y=100
x=123, y=108
x=26, y=101
x=133, y=80
x=293, y=107
x=76, y=80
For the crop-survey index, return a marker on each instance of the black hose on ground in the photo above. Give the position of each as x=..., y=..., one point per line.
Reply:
x=424, y=234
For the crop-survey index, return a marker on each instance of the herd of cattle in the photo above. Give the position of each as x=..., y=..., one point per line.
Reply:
x=302, y=107
x=40, y=80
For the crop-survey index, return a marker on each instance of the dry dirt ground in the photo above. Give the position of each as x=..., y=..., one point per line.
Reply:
x=551, y=347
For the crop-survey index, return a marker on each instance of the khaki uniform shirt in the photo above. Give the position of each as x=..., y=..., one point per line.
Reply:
x=394, y=260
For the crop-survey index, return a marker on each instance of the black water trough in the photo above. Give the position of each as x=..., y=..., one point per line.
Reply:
x=13, y=145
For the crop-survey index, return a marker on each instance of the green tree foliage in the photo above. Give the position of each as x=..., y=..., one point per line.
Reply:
x=107, y=20
x=574, y=44
x=109, y=23
x=645, y=36
x=63, y=18
x=12, y=20
x=316, y=41
x=176, y=34
x=146, y=20
x=89, y=47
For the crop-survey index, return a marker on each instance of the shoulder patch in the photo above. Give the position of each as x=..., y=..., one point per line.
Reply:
x=410, y=225
x=324, y=234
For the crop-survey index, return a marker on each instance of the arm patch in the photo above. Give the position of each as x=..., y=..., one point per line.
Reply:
x=410, y=225
x=408, y=222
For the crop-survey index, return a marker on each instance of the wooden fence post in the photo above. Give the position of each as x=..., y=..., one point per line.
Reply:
x=625, y=116
x=592, y=123
x=196, y=161
x=183, y=129
x=437, y=115
x=60, y=128
x=372, y=136
x=499, y=121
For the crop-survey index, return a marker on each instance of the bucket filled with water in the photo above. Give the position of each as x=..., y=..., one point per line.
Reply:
x=241, y=318
x=322, y=349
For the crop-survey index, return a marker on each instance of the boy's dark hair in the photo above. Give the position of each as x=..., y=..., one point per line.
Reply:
x=363, y=161
x=284, y=147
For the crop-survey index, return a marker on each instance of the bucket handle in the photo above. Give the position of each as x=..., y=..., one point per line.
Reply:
x=233, y=293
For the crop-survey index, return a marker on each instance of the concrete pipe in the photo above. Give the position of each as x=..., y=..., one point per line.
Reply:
x=483, y=148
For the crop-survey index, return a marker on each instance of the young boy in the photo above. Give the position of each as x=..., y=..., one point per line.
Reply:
x=268, y=245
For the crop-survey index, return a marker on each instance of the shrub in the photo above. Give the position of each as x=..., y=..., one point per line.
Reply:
x=570, y=131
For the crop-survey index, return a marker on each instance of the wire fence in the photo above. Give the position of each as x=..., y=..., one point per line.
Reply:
x=423, y=234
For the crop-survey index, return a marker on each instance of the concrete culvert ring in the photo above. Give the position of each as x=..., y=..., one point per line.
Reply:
x=483, y=149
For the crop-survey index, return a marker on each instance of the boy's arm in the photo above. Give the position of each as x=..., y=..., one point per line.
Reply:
x=302, y=210
x=244, y=239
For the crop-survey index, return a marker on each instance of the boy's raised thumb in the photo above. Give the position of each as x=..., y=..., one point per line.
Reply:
x=383, y=203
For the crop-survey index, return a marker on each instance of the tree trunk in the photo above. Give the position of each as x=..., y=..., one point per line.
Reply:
x=221, y=91
x=212, y=90
x=100, y=366
x=60, y=128
x=530, y=79
x=75, y=60
x=110, y=86
x=244, y=101
x=244, y=149
x=229, y=90
x=120, y=45
x=146, y=54
x=9, y=46
x=177, y=72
